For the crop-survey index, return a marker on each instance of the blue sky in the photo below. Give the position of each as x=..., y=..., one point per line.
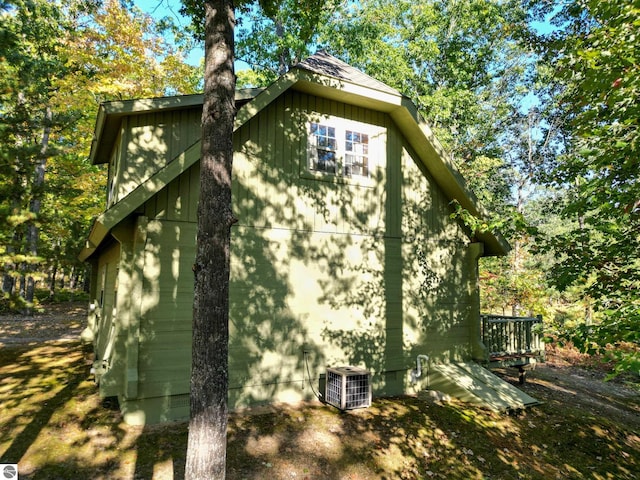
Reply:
x=162, y=8
x=169, y=8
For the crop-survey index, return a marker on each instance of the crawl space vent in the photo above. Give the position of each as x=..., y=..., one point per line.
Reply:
x=348, y=388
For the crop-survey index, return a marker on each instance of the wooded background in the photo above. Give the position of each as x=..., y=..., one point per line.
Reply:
x=537, y=101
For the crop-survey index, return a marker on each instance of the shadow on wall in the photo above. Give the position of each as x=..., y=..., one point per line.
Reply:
x=366, y=273
x=297, y=262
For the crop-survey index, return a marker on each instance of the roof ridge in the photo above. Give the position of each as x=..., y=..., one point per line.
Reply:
x=324, y=63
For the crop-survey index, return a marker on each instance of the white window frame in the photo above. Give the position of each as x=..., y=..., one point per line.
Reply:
x=343, y=158
x=356, y=154
x=323, y=148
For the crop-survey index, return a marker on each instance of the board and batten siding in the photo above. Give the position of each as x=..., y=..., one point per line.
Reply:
x=147, y=143
x=325, y=271
x=439, y=269
x=166, y=309
x=106, y=333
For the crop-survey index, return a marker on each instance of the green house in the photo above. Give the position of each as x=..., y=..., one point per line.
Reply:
x=345, y=252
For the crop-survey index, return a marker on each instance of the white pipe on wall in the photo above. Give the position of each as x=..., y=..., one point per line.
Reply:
x=417, y=372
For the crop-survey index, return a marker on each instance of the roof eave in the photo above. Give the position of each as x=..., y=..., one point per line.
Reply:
x=441, y=166
x=400, y=108
x=110, y=115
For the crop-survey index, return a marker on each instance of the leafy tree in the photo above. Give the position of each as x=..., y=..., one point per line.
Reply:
x=272, y=40
x=61, y=60
x=32, y=66
x=459, y=62
x=596, y=63
x=127, y=56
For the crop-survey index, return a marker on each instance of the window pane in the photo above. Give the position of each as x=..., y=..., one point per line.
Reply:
x=326, y=161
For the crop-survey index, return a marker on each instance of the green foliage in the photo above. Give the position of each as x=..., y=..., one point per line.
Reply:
x=16, y=304
x=514, y=291
x=458, y=61
x=597, y=66
x=61, y=296
x=271, y=35
x=59, y=60
x=196, y=10
x=32, y=70
x=272, y=40
x=616, y=338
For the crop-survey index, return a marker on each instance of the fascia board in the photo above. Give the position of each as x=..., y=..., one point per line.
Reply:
x=423, y=141
x=98, y=232
x=263, y=99
x=438, y=162
x=348, y=92
x=400, y=108
x=98, y=134
x=143, y=105
x=116, y=214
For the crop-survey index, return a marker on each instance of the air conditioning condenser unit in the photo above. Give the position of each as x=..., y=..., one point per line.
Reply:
x=348, y=388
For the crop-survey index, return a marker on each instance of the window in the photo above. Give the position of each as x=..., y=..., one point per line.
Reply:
x=338, y=151
x=323, y=141
x=356, y=158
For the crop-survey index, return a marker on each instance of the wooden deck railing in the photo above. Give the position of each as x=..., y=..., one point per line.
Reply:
x=512, y=336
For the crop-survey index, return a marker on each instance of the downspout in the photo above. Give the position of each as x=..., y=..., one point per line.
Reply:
x=478, y=349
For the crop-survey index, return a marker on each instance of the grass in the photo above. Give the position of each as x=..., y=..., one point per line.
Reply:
x=53, y=425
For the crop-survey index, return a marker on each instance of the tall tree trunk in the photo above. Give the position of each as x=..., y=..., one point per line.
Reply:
x=206, y=446
x=73, y=278
x=284, y=56
x=22, y=285
x=9, y=281
x=52, y=283
x=36, y=204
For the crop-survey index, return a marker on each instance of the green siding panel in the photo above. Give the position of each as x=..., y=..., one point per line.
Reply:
x=324, y=271
x=105, y=303
x=151, y=141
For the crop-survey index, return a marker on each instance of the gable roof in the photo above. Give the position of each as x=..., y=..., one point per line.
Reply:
x=322, y=75
x=324, y=64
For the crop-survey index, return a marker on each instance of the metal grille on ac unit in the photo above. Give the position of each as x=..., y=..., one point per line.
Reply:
x=348, y=388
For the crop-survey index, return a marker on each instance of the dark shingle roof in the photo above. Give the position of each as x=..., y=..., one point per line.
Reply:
x=324, y=64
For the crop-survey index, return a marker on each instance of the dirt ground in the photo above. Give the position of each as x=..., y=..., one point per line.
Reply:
x=584, y=428
x=561, y=373
x=61, y=321
x=574, y=385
